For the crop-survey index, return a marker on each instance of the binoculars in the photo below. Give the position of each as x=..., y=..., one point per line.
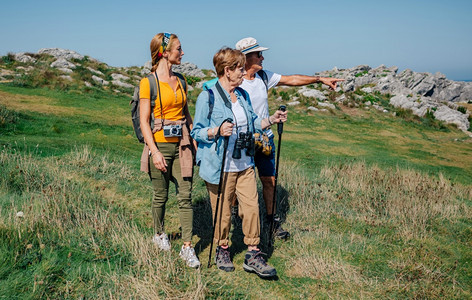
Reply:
x=245, y=140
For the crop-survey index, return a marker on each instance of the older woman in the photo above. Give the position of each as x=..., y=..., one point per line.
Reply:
x=167, y=155
x=209, y=131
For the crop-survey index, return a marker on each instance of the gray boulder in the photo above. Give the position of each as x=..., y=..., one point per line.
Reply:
x=122, y=84
x=65, y=70
x=95, y=71
x=61, y=53
x=188, y=69
x=452, y=116
x=307, y=92
x=24, y=58
x=293, y=103
x=99, y=80
x=328, y=105
x=117, y=76
x=62, y=63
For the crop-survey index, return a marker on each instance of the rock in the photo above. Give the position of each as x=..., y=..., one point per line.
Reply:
x=312, y=108
x=26, y=70
x=117, y=76
x=87, y=84
x=65, y=70
x=314, y=93
x=122, y=84
x=452, y=116
x=341, y=98
x=95, y=71
x=367, y=90
x=188, y=69
x=20, y=214
x=66, y=77
x=329, y=105
x=99, y=80
x=61, y=53
x=293, y=103
x=24, y=58
x=62, y=63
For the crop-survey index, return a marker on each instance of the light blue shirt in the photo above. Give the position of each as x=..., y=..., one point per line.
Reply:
x=210, y=152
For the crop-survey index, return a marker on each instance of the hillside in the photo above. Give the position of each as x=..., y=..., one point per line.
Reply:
x=377, y=198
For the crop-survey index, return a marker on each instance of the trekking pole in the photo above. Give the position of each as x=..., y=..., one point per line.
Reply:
x=280, y=129
x=220, y=183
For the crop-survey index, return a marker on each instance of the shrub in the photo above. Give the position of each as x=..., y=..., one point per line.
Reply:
x=8, y=59
x=191, y=80
x=462, y=109
x=7, y=116
x=361, y=73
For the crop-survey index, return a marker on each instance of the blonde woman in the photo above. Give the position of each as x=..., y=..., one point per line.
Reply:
x=168, y=147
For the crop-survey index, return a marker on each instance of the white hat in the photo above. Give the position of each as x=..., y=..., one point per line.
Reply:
x=248, y=45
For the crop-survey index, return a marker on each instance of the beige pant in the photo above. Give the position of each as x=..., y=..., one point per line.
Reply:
x=243, y=184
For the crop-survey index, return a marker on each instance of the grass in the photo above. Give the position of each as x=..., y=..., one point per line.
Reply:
x=378, y=207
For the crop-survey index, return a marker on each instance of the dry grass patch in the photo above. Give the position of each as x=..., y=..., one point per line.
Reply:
x=50, y=106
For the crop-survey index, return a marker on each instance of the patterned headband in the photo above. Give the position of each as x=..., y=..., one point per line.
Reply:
x=164, y=44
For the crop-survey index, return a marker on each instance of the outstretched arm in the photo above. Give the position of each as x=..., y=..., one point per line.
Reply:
x=298, y=80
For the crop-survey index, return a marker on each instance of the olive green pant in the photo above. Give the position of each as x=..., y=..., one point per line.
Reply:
x=183, y=186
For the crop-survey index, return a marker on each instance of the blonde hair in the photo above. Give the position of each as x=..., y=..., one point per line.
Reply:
x=155, y=46
x=227, y=57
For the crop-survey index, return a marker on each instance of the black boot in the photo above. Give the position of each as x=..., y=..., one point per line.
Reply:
x=279, y=232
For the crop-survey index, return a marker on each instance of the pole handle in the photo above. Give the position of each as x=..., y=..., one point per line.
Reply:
x=280, y=126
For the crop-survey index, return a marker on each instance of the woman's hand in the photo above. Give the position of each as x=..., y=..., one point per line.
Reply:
x=226, y=129
x=159, y=161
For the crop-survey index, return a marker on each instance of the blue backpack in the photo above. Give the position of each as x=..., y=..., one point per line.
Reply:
x=211, y=102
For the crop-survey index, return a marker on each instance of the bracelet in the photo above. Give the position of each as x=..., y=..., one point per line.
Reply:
x=268, y=120
x=155, y=152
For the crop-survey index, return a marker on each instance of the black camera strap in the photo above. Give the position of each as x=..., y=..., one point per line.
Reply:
x=229, y=105
x=160, y=100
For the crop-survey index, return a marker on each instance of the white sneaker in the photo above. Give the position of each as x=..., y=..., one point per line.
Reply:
x=162, y=241
x=188, y=254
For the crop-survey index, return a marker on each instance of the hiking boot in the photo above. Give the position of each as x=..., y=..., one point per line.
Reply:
x=254, y=262
x=188, y=254
x=223, y=260
x=162, y=241
x=279, y=232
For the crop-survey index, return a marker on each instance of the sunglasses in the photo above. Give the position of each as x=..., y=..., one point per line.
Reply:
x=259, y=54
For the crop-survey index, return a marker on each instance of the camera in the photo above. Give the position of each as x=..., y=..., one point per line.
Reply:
x=244, y=141
x=172, y=130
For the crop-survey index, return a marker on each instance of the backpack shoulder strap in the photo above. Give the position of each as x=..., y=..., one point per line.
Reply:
x=153, y=89
x=183, y=81
x=211, y=103
x=245, y=94
x=264, y=77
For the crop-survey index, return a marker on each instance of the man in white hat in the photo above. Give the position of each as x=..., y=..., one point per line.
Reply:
x=257, y=82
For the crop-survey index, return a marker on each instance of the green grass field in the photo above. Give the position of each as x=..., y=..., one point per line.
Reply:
x=378, y=207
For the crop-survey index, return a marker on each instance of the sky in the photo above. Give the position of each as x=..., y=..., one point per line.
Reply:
x=304, y=36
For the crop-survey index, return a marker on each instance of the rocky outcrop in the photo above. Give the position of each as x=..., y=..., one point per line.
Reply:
x=61, y=53
x=420, y=92
x=188, y=69
x=24, y=58
x=63, y=63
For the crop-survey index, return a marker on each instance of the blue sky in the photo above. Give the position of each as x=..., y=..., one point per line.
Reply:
x=304, y=37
